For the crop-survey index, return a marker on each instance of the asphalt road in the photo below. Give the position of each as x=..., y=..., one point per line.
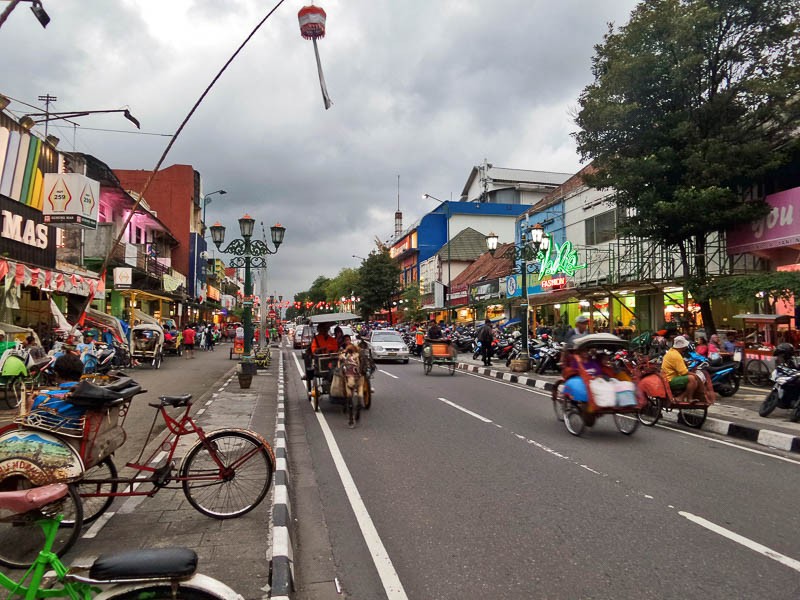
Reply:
x=467, y=487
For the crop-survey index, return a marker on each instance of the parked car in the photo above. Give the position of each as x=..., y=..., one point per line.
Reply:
x=302, y=337
x=388, y=344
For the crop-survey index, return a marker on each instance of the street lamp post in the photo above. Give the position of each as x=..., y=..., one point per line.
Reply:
x=206, y=201
x=447, y=295
x=527, y=250
x=248, y=253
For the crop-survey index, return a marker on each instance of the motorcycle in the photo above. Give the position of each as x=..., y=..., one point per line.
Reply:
x=785, y=392
x=724, y=377
x=492, y=349
x=550, y=359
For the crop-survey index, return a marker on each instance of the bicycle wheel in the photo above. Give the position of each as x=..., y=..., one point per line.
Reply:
x=14, y=391
x=94, y=506
x=626, y=424
x=233, y=489
x=756, y=372
x=693, y=417
x=22, y=541
x=651, y=412
x=199, y=587
x=574, y=420
x=558, y=400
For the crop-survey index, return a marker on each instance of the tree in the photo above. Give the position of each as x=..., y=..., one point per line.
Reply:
x=693, y=103
x=412, y=304
x=379, y=281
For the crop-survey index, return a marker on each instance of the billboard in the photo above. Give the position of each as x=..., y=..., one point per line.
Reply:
x=71, y=199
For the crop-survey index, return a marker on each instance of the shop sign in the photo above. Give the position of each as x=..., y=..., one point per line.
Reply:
x=212, y=293
x=778, y=229
x=560, y=259
x=71, y=199
x=24, y=235
x=123, y=278
x=554, y=283
x=484, y=290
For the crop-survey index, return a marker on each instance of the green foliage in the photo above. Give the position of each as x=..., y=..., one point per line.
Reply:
x=412, y=305
x=318, y=291
x=380, y=276
x=780, y=285
x=693, y=102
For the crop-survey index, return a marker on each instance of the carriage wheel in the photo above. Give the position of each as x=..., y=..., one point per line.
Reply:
x=559, y=402
x=626, y=423
x=693, y=417
x=427, y=365
x=15, y=391
x=315, y=393
x=757, y=372
x=452, y=367
x=650, y=413
x=573, y=420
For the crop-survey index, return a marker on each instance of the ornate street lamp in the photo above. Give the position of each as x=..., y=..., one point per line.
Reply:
x=248, y=253
x=528, y=250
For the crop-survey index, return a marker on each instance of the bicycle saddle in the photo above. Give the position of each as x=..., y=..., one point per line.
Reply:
x=174, y=401
x=21, y=501
x=152, y=563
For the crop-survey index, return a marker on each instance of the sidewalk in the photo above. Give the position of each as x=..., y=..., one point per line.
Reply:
x=235, y=551
x=736, y=416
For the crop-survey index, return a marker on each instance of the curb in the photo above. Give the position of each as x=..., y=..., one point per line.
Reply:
x=763, y=437
x=539, y=384
x=282, y=562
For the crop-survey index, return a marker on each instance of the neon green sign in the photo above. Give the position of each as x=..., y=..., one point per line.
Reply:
x=563, y=259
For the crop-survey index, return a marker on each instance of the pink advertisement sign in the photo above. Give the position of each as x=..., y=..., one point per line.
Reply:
x=781, y=227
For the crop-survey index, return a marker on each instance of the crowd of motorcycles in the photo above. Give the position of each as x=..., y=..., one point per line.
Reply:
x=726, y=374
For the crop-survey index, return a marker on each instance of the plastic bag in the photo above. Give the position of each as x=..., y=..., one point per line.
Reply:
x=603, y=392
x=625, y=393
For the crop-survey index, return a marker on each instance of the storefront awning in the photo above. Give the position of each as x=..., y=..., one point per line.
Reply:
x=553, y=297
x=143, y=295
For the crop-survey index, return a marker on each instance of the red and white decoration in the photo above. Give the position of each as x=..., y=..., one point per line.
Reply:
x=312, y=26
x=67, y=283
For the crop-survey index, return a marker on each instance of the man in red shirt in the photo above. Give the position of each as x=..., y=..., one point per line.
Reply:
x=188, y=341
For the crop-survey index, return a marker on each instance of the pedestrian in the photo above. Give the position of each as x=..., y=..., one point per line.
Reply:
x=188, y=341
x=486, y=337
x=581, y=329
x=210, y=338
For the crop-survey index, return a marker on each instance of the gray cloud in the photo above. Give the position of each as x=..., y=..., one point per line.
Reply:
x=421, y=89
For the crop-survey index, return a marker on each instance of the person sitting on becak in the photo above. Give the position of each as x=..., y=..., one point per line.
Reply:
x=674, y=370
x=68, y=369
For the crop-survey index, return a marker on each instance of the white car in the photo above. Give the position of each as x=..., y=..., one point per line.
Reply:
x=387, y=344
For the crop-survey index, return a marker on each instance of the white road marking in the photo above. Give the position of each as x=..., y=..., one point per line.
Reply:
x=389, y=578
x=389, y=374
x=464, y=410
x=746, y=542
x=98, y=525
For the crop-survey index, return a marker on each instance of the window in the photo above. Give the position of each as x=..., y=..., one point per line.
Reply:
x=601, y=228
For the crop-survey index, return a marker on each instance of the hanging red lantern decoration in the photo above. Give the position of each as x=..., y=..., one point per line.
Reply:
x=312, y=26
x=312, y=22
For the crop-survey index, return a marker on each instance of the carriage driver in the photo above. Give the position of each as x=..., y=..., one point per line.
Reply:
x=323, y=343
x=673, y=368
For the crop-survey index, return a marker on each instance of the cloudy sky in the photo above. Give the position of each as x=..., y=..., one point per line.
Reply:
x=423, y=89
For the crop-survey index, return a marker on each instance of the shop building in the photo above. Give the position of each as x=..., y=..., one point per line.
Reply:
x=30, y=271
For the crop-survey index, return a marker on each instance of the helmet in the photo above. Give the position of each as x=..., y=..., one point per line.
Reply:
x=784, y=350
x=545, y=337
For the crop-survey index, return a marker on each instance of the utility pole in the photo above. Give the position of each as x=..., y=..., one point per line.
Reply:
x=47, y=99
